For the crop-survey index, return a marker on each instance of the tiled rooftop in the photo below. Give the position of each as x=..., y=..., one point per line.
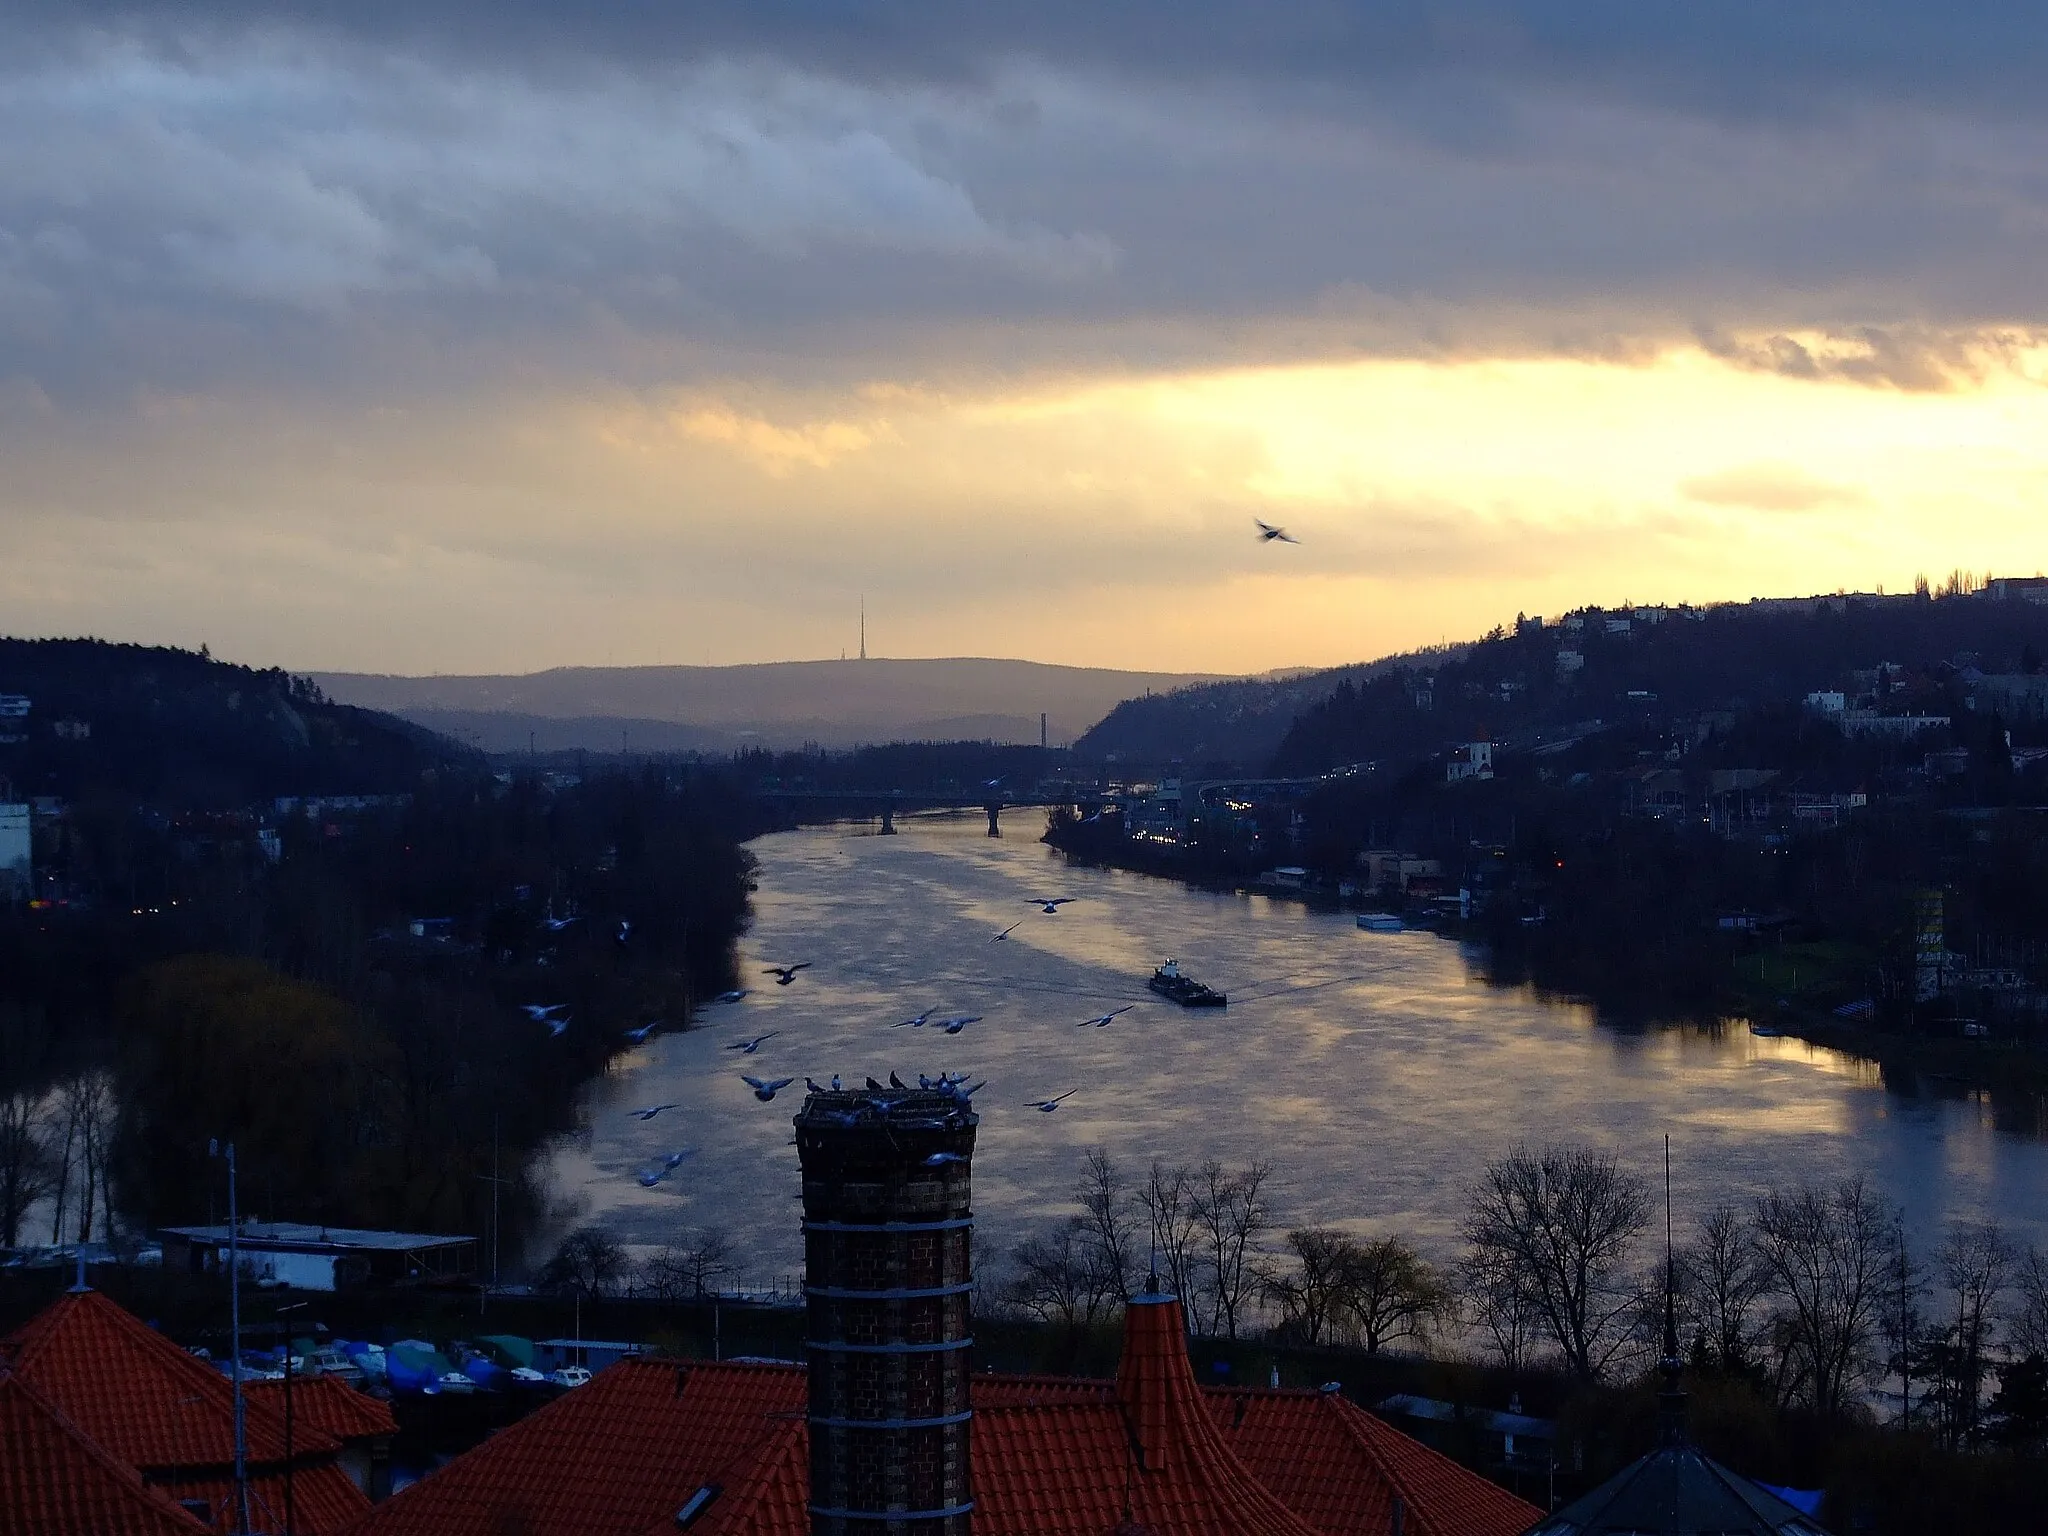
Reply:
x=147, y=1405
x=328, y=1405
x=1051, y=1456
x=56, y=1482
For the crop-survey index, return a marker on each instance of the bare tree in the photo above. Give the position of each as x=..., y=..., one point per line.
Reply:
x=1826, y=1252
x=1167, y=1202
x=60, y=1144
x=1495, y=1302
x=1232, y=1217
x=82, y=1128
x=1721, y=1287
x=1900, y=1322
x=1562, y=1226
x=1105, y=1222
x=2027, y=1327
x=686, y=1269
x=25, y=1171
x=1056, y=1280
x=1314, y=1291
x=589, y=1261
x=1976, y=1264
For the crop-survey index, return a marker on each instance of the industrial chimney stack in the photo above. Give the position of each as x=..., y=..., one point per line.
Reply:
x=888, y=1228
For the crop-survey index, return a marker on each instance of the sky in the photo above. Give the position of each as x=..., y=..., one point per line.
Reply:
x=452, y=337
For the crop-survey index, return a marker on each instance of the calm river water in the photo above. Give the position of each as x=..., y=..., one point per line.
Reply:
x=1376, y=1072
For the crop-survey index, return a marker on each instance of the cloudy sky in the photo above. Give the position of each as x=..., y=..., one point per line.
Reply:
x=431, y=335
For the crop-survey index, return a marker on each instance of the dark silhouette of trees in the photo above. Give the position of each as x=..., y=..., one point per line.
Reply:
x=1560, y=1227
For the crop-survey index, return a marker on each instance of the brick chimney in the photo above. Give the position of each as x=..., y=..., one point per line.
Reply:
x=888, y=1229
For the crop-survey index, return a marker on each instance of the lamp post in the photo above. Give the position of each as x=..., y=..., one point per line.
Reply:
x=216, y=1149
x=289, y=1509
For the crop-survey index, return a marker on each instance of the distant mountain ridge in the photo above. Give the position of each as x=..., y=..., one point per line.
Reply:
x=768, y=704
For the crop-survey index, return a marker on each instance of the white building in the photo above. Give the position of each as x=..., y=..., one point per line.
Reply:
x=1474, y=760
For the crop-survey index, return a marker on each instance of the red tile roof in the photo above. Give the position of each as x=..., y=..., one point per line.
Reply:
x=327, y=1404
x=138, y=1396
x=618, y=1455
x=56, y=1482
x=1340, y=1468
x=324, y=1498
x=1052, y=1457
x=149, y=1406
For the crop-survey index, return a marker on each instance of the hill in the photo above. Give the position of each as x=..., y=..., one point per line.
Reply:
x=772, y=704
x=1238, y=721
x=1597, y=669
x=178, y=729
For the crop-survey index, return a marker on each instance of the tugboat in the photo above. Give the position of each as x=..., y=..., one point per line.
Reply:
x=1168, y=982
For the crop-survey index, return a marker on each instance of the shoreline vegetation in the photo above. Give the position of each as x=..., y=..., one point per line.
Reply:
x=1737, y=997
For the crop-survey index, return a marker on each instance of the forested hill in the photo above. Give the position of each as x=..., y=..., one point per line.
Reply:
x=1240, y=722
x=181, y=730
x=1601, y=668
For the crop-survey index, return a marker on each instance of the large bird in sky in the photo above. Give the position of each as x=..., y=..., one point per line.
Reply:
x=1269, y=534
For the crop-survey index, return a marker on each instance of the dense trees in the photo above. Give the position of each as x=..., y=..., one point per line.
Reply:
x=349, y=1012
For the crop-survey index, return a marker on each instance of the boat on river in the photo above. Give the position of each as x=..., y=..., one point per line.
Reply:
x=1170, y=984
x=1382, y=922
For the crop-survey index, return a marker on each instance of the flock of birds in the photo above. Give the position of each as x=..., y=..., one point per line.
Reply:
x=953, y=1085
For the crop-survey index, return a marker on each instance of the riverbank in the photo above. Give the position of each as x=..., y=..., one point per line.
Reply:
x=1776, y=999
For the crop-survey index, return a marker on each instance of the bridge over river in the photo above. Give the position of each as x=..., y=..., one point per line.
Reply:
x=813, y=805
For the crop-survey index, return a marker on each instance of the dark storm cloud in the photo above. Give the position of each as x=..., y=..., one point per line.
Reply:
x=300, y=195
x=1733, y=54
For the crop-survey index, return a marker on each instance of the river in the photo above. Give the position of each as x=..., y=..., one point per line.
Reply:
x=1376, y=1073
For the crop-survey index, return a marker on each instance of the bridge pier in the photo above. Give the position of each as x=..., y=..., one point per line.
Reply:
x=888, y=819
x=995, y=811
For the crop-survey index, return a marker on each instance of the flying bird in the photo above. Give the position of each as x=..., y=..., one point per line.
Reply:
x=1103, y=1018
x=940, y=1159
x=652, y=1110
x=1047, y=1106
x=958, y=1022
x=785, y=974
x=753, y=1045
x=1268, y=534
x=1049, y=905
x=674, y=1159
x=766, y=1091
x=1006, y=933
x=639, y=1036
x=731, y=997
x=916, y=1023
x=649, y=1177
x=543, y=1013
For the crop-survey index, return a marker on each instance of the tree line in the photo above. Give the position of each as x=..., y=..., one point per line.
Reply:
x=1811, y=1296
x=350, y=1009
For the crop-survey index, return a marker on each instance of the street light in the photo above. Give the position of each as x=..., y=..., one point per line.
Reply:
x=288, y=1505
x=216, y=1149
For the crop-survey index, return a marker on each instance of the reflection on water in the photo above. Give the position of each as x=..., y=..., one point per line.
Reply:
x=1375, y=1072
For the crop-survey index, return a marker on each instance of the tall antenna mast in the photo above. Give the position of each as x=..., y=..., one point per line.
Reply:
x=1671, y=1401
x=863, y=626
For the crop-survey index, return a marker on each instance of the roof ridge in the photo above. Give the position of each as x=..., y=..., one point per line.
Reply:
x=1368, y=1432
x=43, y=1333
x=127, y=1479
